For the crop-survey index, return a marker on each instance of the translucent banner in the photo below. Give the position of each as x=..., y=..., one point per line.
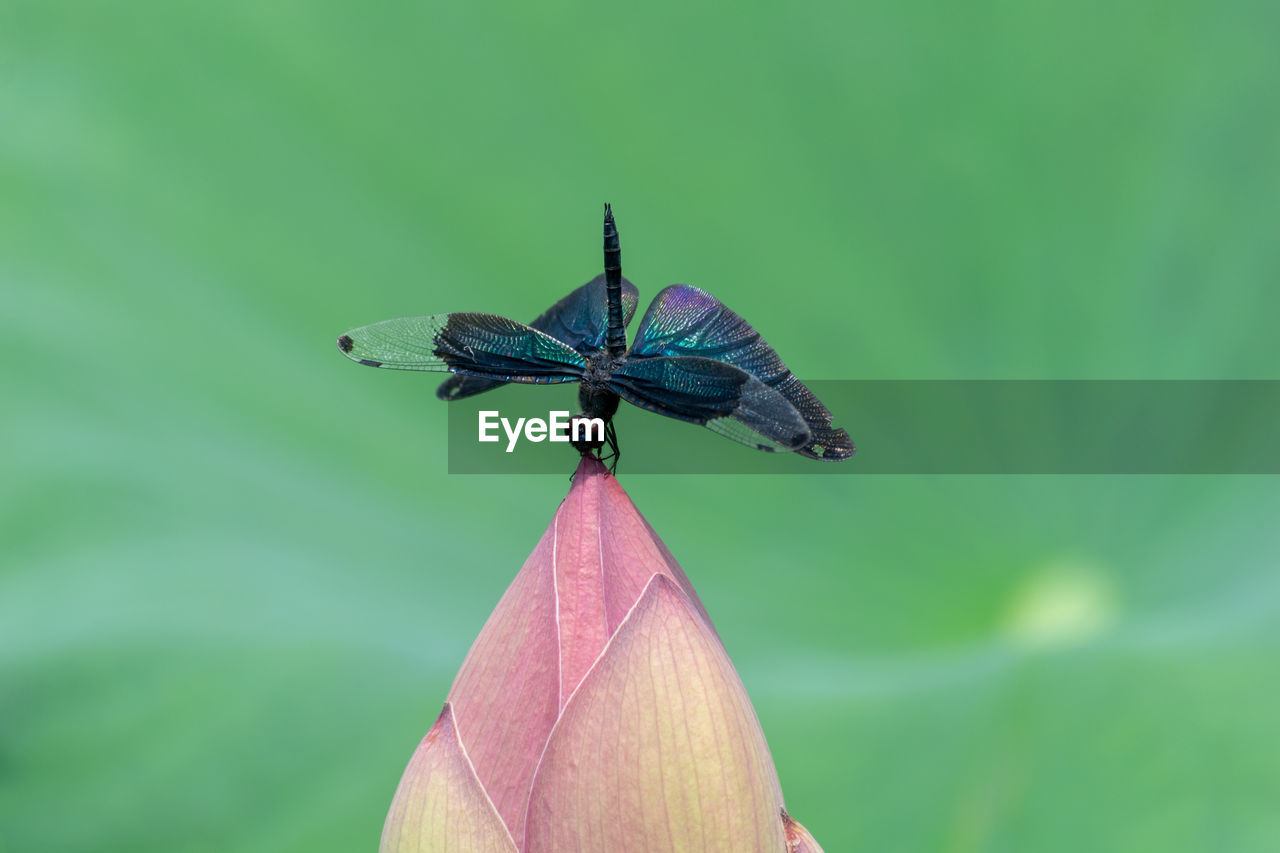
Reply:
x=919, y=427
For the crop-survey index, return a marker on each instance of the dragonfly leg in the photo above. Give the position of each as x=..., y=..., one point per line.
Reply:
x=611, y=439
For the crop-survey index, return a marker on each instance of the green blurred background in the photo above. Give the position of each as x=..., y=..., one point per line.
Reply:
x=235, y=580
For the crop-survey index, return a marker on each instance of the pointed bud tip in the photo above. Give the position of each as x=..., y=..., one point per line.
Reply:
x=798, y=838
x=590, y=466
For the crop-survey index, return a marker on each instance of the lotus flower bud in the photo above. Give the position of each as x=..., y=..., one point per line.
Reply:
x=597, y=710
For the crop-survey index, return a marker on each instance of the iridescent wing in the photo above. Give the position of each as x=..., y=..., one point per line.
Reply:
x=578, y=320
x=482, y=345
x=719, y=396
x=686, y=321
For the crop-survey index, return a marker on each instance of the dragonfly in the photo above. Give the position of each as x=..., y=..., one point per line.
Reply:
x=692, y=359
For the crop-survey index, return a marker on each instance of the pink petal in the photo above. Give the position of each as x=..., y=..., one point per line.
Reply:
x=507, y=693
x=605, y=555
x=798, y=838
x=440, y=804
x=550, y=626
x=659, y=749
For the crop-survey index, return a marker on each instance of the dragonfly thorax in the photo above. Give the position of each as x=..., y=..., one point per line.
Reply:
x=595, y=396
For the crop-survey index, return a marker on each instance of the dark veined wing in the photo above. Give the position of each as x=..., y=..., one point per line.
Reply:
x=724, y=398
x=687, y=321
x=482, y=345
x=578, y=320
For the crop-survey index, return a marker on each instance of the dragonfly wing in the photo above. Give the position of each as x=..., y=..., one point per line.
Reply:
x=579, y=320
x=460, y=385
x=687, y=321
x=485, y=346
x=724, y=398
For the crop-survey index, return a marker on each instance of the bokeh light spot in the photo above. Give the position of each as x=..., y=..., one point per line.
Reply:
x=1062, y=604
